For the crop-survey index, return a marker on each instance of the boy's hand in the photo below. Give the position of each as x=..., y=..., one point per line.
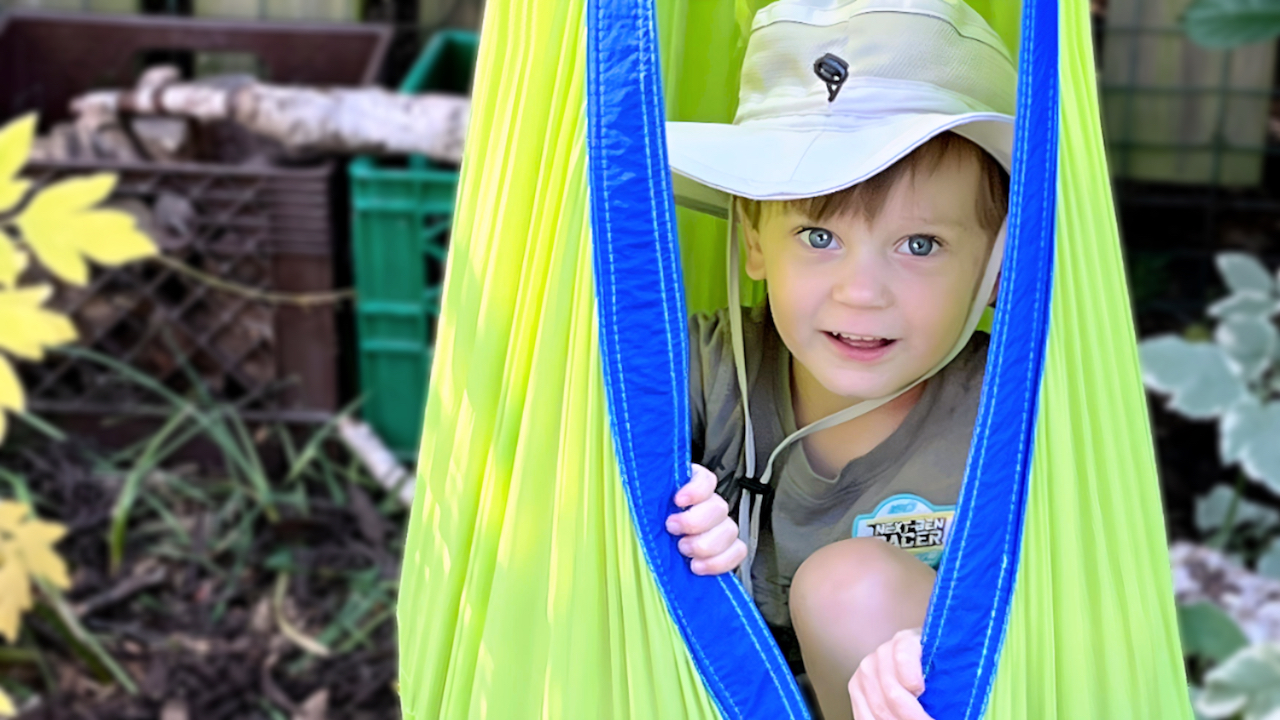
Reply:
x=710, y=537
x=889, y=681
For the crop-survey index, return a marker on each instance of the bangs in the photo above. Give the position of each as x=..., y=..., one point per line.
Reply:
x=867, y=198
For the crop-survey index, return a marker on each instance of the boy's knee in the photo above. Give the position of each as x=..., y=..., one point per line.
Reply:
x=858, y=577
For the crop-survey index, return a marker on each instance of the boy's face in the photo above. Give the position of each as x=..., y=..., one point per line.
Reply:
x=868, y=306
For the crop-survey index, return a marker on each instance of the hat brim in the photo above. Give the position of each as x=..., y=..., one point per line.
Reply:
x=711, y=162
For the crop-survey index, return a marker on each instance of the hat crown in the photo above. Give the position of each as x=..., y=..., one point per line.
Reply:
x=902, y=57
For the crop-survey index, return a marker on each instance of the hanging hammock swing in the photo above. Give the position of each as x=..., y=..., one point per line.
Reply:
x=539, y=580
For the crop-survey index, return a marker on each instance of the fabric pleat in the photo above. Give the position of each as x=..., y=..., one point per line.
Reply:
x=524, y=593
x=1092, y=631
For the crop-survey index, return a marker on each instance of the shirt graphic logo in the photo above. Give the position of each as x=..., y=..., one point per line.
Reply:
x=911, y=523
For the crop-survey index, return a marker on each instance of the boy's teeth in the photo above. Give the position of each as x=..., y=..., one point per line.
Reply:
x=857, y=338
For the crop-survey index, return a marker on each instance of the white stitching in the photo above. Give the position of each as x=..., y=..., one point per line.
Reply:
x=1046, y=222
x=1014, y=232
x=752, y=630
x=643, y=38
x=681, y=402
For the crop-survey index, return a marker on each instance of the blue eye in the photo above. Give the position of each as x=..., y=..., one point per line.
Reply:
x=921, y=245
x=818, y=238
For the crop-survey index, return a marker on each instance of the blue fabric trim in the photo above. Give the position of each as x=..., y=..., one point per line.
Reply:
x=969, y=613
x=644, y=348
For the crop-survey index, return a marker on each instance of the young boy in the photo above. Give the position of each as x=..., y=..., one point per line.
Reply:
x=867, y=168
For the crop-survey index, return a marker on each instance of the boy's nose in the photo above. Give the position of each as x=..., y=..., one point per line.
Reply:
x=862, y=284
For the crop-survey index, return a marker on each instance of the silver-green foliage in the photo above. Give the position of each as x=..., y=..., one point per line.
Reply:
x=1235, y=378
x=1245, y=685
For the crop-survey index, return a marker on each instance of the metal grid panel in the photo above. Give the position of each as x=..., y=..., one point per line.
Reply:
x=181, y=331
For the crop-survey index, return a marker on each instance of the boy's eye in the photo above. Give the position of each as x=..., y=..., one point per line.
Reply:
x=818, y=238
x=921, y=245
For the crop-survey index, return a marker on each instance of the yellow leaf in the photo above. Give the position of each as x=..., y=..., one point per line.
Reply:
x=26, y=552
x=35, y=542
x=12, y=261
x=127, y=241
x=15, y=146
x=15, y=596
x=62, y=228
x=6, y=706
x=26, y=329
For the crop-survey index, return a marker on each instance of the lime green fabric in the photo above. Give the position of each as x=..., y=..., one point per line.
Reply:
x=702, y=48
x=524, y=592
x=1092, y=633
x=1005, y=17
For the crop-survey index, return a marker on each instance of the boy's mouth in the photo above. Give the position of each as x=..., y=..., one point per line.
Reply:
x=862, y=348
x=861, y=342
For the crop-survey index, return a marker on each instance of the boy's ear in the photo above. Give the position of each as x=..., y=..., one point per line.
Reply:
x=754, y=261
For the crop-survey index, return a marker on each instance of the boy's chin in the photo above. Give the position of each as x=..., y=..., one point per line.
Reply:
x=856, y=391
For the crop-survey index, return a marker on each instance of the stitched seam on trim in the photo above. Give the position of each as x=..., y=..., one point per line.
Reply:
x=666, y=270
x=772, y=647
x=1016, y=202
x=647, y=100
x=608, y=270
x=1029, y=390
x=1048, y=235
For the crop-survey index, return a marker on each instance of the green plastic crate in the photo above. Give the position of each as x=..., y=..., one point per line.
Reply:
x=401, y=214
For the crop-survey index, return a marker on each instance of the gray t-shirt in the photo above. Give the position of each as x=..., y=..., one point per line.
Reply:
x=904, y=490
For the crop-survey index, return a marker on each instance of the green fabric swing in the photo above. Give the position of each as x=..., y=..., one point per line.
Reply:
x=525, y=592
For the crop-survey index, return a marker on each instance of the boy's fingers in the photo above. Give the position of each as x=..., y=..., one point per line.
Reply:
x=858, y=699
x=901, y=702
x=906, y=661
x=701, y=486
x=868, y=677
x=710, y=543
x=726, y=561
x=699, y=518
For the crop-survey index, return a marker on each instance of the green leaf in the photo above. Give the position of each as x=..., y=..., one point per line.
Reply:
x=1207, y=631
x=1248, y=436
x=1247, y=303
x=1212, y=509
x=1218, y=703
x=123, y=506
x=1269, y=561
x=1231, y=23
x=1243, y=272
x=1195, y=693
x=59, y=613
x=1250, y=344
x=1248, y=680
x=1196, y=376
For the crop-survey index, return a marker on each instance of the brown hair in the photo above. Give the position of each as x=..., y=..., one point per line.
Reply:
x=867, y=198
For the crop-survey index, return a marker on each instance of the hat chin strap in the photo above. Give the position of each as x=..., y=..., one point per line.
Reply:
x=749, y=509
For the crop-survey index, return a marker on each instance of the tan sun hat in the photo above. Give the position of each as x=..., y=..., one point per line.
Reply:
x=830, y=96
